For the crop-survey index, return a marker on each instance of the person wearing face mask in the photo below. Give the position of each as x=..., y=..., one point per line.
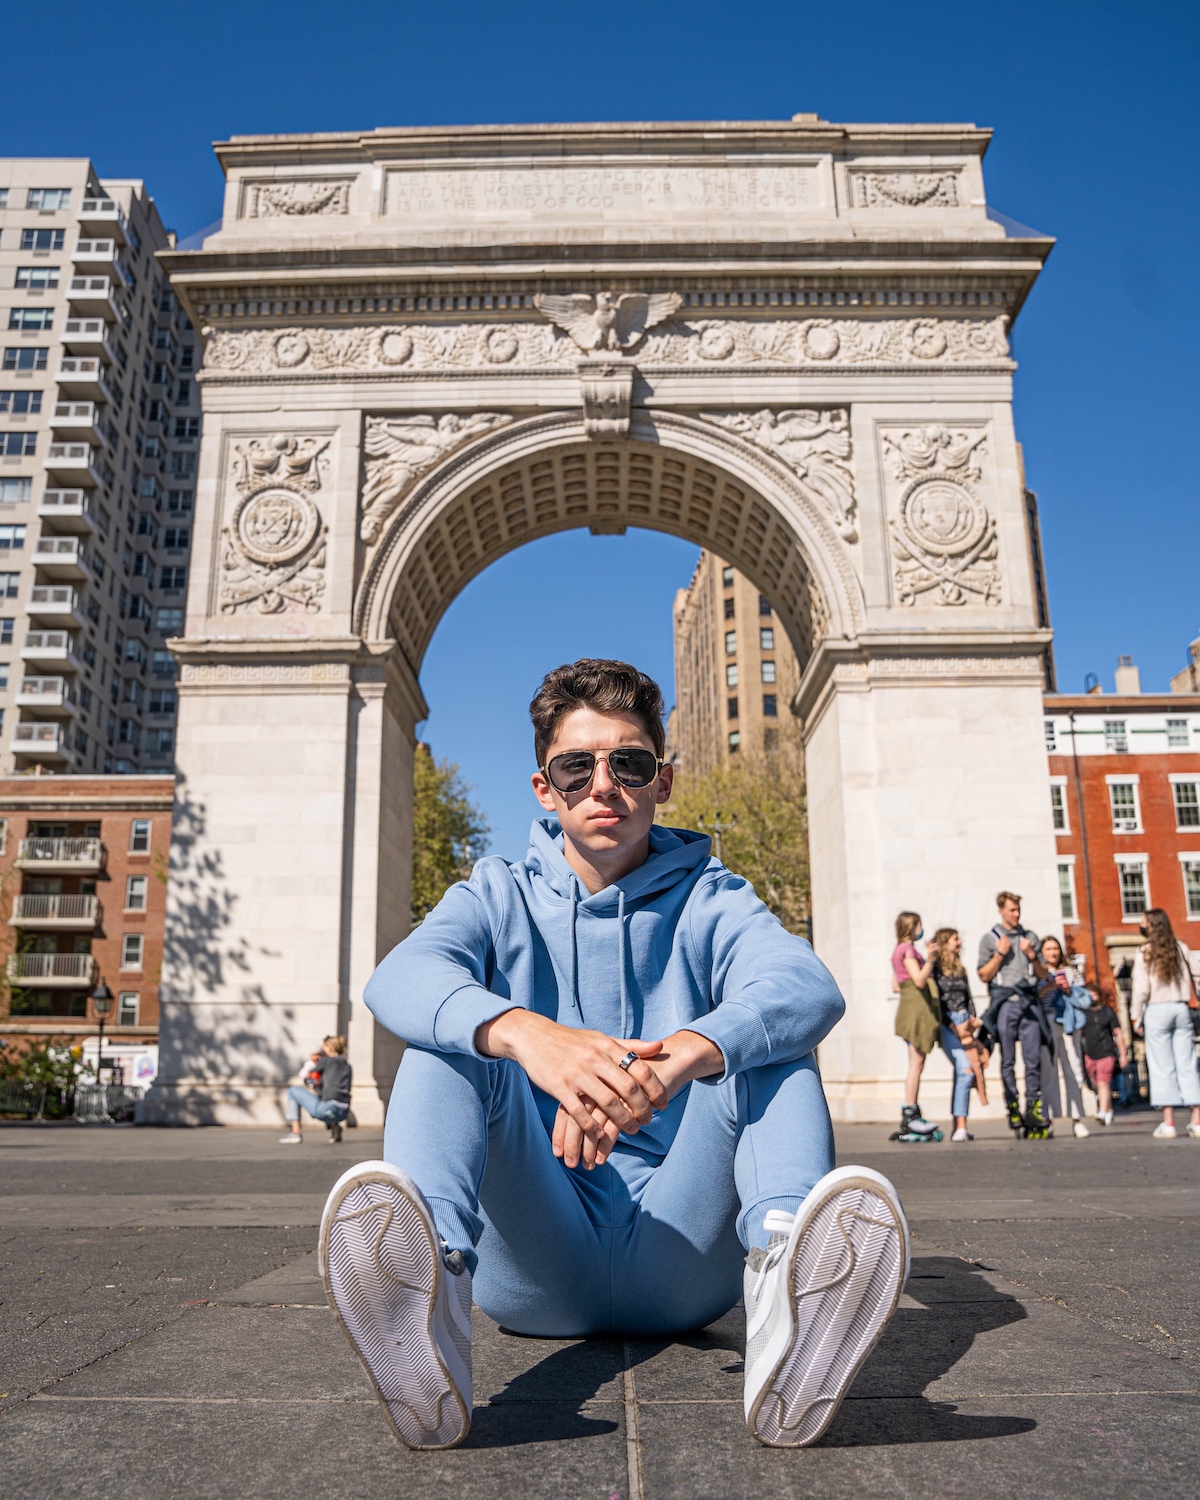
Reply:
x=918, y=1022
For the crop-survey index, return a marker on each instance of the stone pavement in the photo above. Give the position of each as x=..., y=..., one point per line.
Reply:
x=163, y=1334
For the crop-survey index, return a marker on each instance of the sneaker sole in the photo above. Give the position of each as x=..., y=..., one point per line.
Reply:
x=849, y=1266
x=381, y=1266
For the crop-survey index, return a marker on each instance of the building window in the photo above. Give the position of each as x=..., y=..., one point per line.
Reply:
x=727, y=578
x=127, y=1008
x=139, y=836
x=187, y=428
x=42, y=239
x=731, y=708
x=735, y=740
x=766, y=639
x=179, y=501
x=1123, y=796
x=729, y=608
x=768, y=671
x=12, y=491
x=35, y=318
x=160, y=741
x=12, y=538
x=176, y=538
x=162, y=664
x=1115, y=739
x=1191, y=886
x=770, y=706
x=8, y=585
x=170, y=622
x=1066, y=890
x=1058, y=807
x=1135, y=896
x=3, y=834
x=48, y=198
x=174, y=579
x=37, y=278
x=1177, y=734
x=18, y=444
x=162, y=701
x=764, y=606
x=1051, y=736
x=25, y=359
x=135, y=893
x=1187, y=804
x=131, y=950
x=20, y=403
x=6, y=631
x=731, y=674
x=730, y=642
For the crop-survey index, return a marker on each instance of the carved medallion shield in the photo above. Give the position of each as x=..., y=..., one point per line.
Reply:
x=276, y=525
x=943, y=517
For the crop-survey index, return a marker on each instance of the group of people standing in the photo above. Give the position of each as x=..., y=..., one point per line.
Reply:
x=1039, y=1002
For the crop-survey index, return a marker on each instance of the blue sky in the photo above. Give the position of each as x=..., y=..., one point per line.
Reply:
x=1095, y=113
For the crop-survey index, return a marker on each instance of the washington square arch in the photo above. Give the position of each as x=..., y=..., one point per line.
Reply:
x=788, y=342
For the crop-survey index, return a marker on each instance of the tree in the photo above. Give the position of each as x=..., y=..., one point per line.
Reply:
x=449, y=831
x=756, y=802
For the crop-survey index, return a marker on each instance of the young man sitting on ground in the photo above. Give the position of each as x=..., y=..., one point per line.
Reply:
x=608, y=1118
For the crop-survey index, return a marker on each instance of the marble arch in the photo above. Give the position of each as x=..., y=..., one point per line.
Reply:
x=786, y=340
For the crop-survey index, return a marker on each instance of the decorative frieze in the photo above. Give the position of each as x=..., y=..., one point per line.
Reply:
x=944, y=544
x=703, y=343
x=399, y=450
x=273, y=546
x=904, y=189
x=815, y=445
x=296, y=197
x=251, y=674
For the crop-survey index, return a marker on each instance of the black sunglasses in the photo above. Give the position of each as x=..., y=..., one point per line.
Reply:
x=574, y=769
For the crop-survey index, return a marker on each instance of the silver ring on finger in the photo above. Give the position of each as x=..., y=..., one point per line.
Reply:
x=627, y=1061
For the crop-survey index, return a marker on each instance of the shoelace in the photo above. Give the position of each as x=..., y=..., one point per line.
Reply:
x=779, y=1226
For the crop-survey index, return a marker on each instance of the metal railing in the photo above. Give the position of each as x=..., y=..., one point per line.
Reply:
x=105, y=1103
x=32, y=733
x=25, y=966
x=56, y=909
x=61, y=851
x=23, y=1099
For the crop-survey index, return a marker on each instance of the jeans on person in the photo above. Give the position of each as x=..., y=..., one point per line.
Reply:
x=646, y=1243
x=328, y=1111
x=964, y=1074
x=1171, y=1055
x=1017, y=1022
x=1051, y=1065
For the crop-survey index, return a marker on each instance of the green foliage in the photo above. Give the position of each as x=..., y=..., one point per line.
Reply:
x=54, y=1064
x=449, y=831
x=763, y=797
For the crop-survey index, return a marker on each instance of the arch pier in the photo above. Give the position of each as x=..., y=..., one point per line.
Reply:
x=785, y=341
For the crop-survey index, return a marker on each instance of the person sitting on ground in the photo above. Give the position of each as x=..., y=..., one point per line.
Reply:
x=1010, y=964
x=1163, y=996
x=960, y=1027
x=332, y=1076
x=1103, y=1044
x=1060, y=994
x=608, y=1118
x=918, y=1022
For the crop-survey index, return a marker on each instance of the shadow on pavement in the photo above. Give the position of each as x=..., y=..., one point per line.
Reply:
x=536, y=1406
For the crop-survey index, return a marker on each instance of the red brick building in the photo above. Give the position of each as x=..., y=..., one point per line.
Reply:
x=1125, y=795
x=83, y=885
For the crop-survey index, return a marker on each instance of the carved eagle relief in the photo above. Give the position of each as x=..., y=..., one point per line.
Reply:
x=607, y=323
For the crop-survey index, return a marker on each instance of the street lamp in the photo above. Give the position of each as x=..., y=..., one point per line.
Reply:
x=101, y=1003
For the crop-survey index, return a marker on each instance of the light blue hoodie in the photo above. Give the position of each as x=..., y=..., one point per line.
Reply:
x=679, y=942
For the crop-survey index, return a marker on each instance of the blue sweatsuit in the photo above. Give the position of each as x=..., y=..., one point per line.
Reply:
x=653, y=1240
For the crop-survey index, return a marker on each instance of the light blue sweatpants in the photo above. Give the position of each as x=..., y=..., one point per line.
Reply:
x=642, y=1244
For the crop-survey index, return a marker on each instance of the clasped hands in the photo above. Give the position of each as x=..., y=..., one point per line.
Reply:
x=597, y=1098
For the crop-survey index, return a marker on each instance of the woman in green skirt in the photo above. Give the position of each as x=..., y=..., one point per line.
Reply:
x=918, y=1022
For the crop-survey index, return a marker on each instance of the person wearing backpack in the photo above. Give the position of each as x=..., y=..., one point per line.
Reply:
x=1164, y=996
x=1010, y=964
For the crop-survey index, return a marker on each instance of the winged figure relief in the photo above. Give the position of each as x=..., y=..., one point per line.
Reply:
x=400, y=449
x=606, y=322
x=815, y=445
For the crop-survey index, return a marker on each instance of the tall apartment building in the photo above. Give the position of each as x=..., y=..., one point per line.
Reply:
x=99, y=432
x=735, y=670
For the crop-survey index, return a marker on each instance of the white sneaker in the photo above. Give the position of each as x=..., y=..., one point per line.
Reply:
x=1166, y=1132
x=1081, y=1130
x=291, y=1139
x=1106, y=1118
x=962, y=1135
x=401, y=1301
x=817, y=1300
x=1194, y=1132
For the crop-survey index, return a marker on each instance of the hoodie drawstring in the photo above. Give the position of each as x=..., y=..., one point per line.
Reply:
x=574, y=953
x=621, y=961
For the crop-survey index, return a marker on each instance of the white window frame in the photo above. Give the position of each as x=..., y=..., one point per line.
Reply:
x=1067, y=862
x=1120, y=860
x=1051, y=736
x=123, y=999
x=731, y=674
x=768, y=666
x=1187, y=740
x=766, y=630
x=143, y=889
x=1189, y=857
x=1061, y=783
x=1113, y=749
x=137, y=823
x=127, y=939
x=1183, y=778
x=1133, y=780
x=731, y=637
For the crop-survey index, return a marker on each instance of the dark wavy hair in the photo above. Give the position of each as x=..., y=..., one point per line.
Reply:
x=608, y=687
x=1162, y=946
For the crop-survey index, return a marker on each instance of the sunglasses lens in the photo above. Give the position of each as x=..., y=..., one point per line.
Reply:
x=633, y=768
x=573, y=771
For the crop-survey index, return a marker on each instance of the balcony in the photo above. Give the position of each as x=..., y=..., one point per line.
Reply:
x=92, y=297
x=83, y=377
x=102, y=216
x=62, y=557
x=41, y=741
x=67, y=510
x=97, y=255
x=52, y=971
x=49, y=695
x=88, y=336
x=64, y=913
x=60, y=856
x=51, y=648
x=55, y=603
x=75, y=461
x=80, y=419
